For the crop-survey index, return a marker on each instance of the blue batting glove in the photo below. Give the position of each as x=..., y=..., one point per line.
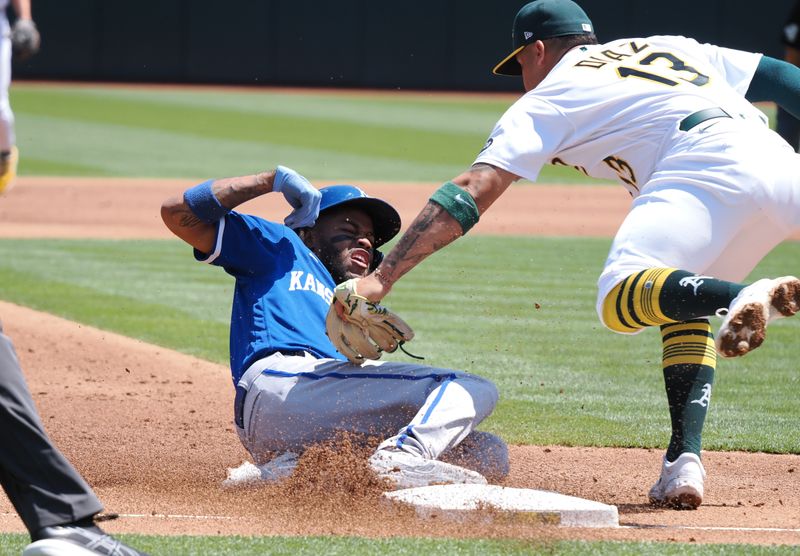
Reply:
x=300, y=194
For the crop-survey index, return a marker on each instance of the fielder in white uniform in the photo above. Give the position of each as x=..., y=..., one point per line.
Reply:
x=23, y=40
x=293, y=389
x=714, y=190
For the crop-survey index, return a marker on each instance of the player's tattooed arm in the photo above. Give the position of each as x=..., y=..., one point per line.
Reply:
x=182, y=222
x=433, y=229
x=230, y=192
x=485, y=183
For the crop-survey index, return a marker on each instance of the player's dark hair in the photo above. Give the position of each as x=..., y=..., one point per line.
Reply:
x=568, y=42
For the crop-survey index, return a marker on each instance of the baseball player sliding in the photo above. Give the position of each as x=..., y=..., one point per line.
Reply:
x=293, y=388
x=714, y=190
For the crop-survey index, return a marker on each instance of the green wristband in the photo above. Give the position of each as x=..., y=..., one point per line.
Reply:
x=458, y=203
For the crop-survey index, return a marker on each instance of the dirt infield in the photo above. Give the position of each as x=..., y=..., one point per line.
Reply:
x=129, y=208
x=150, y=429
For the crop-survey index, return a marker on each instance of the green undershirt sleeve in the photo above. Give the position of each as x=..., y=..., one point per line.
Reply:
x=776, y=81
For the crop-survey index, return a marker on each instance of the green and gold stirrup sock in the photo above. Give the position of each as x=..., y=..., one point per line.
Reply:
x=659, y=296
x=689, y=360
x=677, y=301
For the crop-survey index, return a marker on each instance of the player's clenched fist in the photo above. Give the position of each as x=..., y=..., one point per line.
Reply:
x=361, y=329
x=300, y=194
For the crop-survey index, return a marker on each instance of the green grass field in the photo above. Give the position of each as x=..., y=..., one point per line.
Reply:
x=563, y=378
x=350, y=546
x=576, y=392
x=195, y=134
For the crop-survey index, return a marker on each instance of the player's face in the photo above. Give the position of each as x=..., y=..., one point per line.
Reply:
x=343, y=239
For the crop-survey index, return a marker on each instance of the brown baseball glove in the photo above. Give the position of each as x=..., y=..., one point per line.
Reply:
x=361, y=329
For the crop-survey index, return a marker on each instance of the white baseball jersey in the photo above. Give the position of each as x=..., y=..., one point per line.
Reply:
x=710, y=198
x=613, y=110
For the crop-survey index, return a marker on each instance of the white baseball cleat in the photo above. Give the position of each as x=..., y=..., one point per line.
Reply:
x=680, y=485
x=274, y=470
x=73, y=540
x=744, y=327
x=406, y=470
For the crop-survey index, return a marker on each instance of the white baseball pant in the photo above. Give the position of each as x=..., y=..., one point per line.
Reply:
x=289, y=402
x=727, y=196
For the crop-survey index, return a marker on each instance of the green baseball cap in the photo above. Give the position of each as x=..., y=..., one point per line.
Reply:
x=539, y=20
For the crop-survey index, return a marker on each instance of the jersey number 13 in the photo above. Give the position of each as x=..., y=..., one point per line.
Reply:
x=677, y=68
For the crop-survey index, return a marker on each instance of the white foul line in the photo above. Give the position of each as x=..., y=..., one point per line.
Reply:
x=177, y=516
x=112, y=516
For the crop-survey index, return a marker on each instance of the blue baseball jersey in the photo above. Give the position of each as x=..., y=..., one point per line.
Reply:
x=282, y=292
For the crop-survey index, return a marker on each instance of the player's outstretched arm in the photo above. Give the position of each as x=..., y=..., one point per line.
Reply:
x=449, y=214
x=193, y=216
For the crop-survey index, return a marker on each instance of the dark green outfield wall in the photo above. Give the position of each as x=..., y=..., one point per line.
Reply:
x=411, y=44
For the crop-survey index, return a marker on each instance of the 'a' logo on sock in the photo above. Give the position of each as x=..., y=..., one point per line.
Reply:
x=694, y=281
x=703, y=400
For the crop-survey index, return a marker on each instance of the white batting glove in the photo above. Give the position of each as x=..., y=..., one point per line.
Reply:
x=300, y=194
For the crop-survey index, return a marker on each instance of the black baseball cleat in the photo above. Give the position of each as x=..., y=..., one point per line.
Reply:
x=77, y=540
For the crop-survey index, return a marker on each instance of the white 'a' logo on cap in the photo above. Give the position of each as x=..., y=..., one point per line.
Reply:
x=528, y=35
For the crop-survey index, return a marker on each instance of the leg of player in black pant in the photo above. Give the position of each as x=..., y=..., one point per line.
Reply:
x=42, y=485
x=52, y=499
